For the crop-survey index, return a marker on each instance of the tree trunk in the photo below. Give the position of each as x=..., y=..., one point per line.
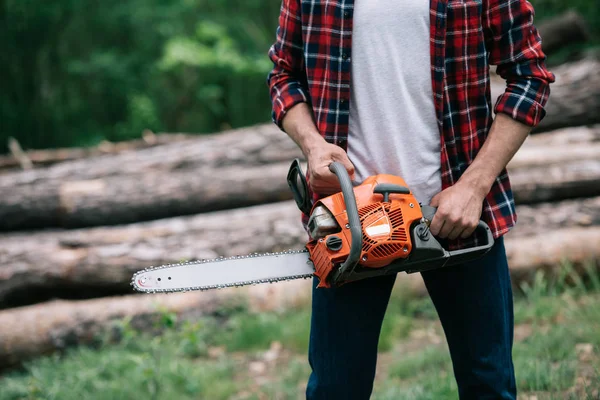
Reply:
x=132, y=198
x=565, y=137
x=563, y=30
x=247, y=147
x=141, y=197
x=97, y=262
x=539, y=156
x=574, y=97
x=46, y=157
x=35, y=266
x=26, y=332
x=553, y=182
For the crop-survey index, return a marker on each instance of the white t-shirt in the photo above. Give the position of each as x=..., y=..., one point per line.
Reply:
x=392, y=127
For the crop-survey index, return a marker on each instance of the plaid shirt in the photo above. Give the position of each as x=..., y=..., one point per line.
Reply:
x=311, y=63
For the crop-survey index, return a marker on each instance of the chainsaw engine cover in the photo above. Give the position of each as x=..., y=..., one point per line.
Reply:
x=387, y=211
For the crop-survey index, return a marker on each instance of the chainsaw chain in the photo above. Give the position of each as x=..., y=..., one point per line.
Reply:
x=222, y=286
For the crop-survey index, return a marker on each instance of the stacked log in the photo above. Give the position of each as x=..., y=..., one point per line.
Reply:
x=226, y=180
x=101, y=261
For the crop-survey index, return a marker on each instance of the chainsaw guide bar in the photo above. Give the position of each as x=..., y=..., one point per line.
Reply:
x=224, y=272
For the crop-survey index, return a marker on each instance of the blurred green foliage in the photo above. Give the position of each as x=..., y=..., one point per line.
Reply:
x=76, y=72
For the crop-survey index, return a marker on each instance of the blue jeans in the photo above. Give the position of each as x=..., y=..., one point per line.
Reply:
x=474, y=304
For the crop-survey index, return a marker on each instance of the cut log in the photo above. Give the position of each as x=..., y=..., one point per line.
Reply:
x=563, y=30
x=26, y=332
x=35, y=266
x=574, y=97
x=575, y=100
x=95, y=262
x=131, y=198
x=563, y=138
x=248, y=147
x=536, y=156
x=554, y=182
x=47, y=157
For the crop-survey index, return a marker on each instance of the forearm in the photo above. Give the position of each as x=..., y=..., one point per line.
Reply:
x=505, y=138
x=300, y=126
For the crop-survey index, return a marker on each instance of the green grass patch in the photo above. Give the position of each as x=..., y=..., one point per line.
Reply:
x=428, y=361
x=250, y=331
x=151, y=368
x=544, y=375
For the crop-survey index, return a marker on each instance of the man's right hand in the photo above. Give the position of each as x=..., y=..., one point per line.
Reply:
x=319, y=157
x=300, y=126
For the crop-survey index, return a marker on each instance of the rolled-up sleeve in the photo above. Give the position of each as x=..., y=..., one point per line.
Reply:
x=515, y=47
x=287, y=80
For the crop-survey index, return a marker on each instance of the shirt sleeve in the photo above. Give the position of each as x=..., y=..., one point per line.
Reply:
x=287, y=79
x=515, y=47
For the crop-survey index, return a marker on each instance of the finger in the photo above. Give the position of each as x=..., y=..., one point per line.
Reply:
x=468, y=231
x=446, y=229
x=436, y=224
x=456, y=231
x=342, y=157
x=435, y=200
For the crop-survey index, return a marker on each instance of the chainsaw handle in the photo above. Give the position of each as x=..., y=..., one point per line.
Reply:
x=472, y=253
x=353, y=218
x=468, y=254
x=299, y=187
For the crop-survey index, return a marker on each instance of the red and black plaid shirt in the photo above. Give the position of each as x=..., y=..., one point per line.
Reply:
x=312, y=54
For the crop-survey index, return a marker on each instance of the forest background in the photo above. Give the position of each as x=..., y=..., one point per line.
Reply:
x=75, y=73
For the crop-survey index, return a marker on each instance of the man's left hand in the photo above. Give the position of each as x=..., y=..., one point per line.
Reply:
x=458, y=211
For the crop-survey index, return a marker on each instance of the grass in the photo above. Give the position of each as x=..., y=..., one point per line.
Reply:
x=239, y=355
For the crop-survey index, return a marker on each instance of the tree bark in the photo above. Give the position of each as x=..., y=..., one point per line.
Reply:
x=553, y=182
x=27, y=332
x=46, y=157
x=563, y=30
x=132, y=198
x=247, y=147
x=565, y=137
x=574, y=97
x=85, y=263
x=141, y=197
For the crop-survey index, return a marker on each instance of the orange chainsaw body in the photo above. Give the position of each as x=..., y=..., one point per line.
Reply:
x=385, y=225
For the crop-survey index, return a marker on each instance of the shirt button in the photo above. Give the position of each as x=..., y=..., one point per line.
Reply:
x=346, y=14
x=344, y=56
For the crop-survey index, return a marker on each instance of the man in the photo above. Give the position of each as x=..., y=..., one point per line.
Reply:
x=403, y=89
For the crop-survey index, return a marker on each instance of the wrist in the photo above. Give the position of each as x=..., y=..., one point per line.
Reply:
x=310, y=141
x=480, y=183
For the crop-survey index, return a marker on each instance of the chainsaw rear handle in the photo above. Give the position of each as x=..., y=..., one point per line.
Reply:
x=472, y=253
x=353, y=218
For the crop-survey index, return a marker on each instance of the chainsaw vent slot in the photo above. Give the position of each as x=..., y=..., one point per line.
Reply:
x=386, y=249
x=398, y=236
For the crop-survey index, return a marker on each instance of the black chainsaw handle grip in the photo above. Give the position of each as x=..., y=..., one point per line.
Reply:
x=299, y=187
x=472, y=253
x=468, y=254
x=353, y=218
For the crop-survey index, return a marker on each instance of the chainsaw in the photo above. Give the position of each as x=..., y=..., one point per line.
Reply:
x=372, y=229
